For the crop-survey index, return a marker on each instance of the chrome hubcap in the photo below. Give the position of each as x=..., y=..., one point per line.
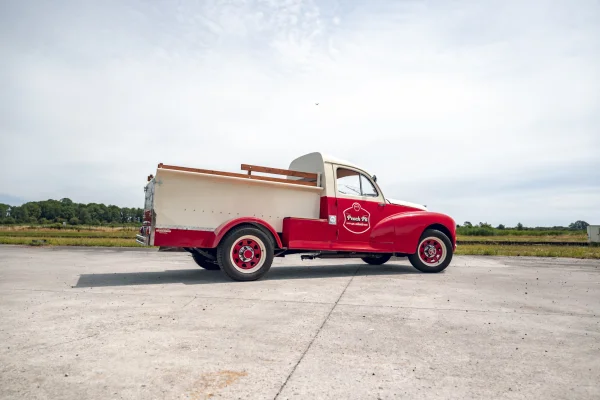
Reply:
x=246, y=253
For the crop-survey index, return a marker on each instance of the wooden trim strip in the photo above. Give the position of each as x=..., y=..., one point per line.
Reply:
x=278, y=171
x=236, y=175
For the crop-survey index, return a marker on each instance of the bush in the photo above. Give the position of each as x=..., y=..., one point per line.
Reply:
x=74, y=221
x=476, y=231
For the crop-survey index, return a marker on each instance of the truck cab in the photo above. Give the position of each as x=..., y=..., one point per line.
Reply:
x=323, y=208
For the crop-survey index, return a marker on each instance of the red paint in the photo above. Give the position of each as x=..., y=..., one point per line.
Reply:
x=183, y=238
x=410, y=226
x=327, y=207
x=431, y=251
x=205, y=239
x=377, y=228
x=226, y=227
x=246, y=254
x=304, y=233
x=147, y=220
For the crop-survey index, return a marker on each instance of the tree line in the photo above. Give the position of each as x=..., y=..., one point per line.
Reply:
x=485, y=229
x=65, y=210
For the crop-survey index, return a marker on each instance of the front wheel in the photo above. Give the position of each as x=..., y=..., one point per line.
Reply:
x=434, y=252
x=245, y=253
x=377, y=259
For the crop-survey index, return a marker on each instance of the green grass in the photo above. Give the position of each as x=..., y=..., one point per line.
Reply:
x=125, y=237
x=71, y=241
x=529, y=250
x=489, y=231
x=128, y=234
x=579, y=237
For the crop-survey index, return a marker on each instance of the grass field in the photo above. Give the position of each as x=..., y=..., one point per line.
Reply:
x=125, y=237
x=530, y=251
x=580, y=237
x=71, y=241
x=81, y=236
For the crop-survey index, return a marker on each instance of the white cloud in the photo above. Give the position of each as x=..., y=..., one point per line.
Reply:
x=445, y=96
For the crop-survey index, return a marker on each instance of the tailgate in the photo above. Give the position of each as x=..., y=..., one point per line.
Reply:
x=146, y=234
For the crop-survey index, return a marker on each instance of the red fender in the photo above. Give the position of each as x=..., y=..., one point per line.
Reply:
x=227, y=226
x=402, y=231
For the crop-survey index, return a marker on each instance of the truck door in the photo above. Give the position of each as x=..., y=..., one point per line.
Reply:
x=359, y=205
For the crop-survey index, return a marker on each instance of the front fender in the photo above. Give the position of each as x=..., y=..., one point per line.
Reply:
x=401, y=232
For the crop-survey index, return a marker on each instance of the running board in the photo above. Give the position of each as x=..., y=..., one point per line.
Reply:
x=334, y=255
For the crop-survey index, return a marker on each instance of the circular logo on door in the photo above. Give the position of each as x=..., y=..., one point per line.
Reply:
x=356, y=219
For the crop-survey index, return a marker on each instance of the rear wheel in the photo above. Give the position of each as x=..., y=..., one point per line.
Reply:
x=205, y=262
x=434, y=252
x=377, y=259
x=245, y=253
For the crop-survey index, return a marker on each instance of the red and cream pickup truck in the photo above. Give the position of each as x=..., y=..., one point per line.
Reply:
x=321, y=207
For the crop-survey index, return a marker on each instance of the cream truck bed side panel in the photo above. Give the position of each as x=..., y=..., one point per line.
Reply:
x=187, y=200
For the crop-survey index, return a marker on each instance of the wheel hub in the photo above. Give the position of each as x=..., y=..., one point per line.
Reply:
x=430, y=250
x=246, y=253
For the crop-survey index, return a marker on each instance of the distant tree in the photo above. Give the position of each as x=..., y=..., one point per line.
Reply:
x=500, y=227
x=579, y=225
x=114, y=214
x=484, y=225
x=49, y=211
x=20, y=214
x=139, y=215
x=467, y=224
x=68, y=210
x=33, y=210
x=4, y=210
x=519, y=226
x=84, y=216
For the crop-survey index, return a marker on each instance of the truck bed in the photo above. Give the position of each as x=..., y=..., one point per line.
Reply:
x=193, y=199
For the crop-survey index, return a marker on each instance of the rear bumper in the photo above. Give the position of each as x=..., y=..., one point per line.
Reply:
x=143, y=240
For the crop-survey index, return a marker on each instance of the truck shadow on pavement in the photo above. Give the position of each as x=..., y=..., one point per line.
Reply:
x=201, y=276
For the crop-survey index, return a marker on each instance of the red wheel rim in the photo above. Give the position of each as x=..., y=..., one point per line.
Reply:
x=432, y=251
x=247, y=253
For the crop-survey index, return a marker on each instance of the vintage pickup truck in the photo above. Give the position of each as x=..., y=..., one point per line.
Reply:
x=321, y=207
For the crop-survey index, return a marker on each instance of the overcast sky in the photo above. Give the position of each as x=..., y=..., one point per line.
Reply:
x=485, y=110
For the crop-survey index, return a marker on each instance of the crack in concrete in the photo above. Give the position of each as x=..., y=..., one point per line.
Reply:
x=59, y=343
x=316, y=335
x=189, y=302
x=514, y=311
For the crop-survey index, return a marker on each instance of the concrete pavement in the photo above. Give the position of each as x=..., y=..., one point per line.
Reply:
x=136, y=324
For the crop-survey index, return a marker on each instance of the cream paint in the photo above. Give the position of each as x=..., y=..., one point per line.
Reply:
x=198, y=201
x=189, y=200
x=407, y=203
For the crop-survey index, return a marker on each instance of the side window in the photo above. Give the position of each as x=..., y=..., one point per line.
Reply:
x=367, y=187
x=352, y=183
x=348, y=182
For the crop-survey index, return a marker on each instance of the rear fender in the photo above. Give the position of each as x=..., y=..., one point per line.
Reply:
x=225, y=227
x=403, y=231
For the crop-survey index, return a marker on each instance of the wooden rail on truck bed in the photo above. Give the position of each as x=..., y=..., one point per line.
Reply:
x=307, y=176
x=312, y=182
